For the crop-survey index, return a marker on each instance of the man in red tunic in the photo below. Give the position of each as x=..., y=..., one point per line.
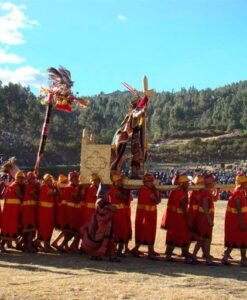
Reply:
x=194, y=200
x=177, y=220
x=204, y=219
x=29, y=212
x=146, y=217
x=236, y=221
x=11, y=212
x=46, y=220
x=74, y=217
x=60, y=210
x=60, y=206
x=90, y=198
x=119, y=197
x=128, y=214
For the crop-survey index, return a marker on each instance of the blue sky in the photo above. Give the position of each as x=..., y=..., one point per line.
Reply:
x=176, y=43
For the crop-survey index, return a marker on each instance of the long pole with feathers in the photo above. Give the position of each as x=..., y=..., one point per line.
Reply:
x=58, y=94
x=44, y=134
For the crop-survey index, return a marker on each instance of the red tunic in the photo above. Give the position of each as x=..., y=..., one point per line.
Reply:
x=0, y=215
x=194, y=200
x=11, y=213
x=61, y=206
x=120, y=217
x=57, y=209
x=234, y=237
x=166, y=218
x=128, y=213
x=193, y=204
x=73, y=211
x=146, y=218
x=45, y=213
x=89, y=204
x=201, y=224
x=29, y=208
x=178, y=233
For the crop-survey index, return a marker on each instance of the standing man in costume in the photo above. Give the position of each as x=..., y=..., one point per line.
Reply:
x=90, y=198
x=11, y=212
x=46, y=218
x=146, y=217
x=60, y=210
x=204, y=219
x=29, y=211
x=177, y=221
x=119, y=197
x=194, y=200
x=133, y=128
x=73, y=199
x=236, y=221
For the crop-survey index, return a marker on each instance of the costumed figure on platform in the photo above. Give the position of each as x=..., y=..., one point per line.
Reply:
x=236, y=221
x=133, y=129
x=12, y=207
x=58, y=94
x=176, y=220
x=120, y=197
x=146, y=217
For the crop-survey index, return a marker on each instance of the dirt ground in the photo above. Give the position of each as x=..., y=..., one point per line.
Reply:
x=74, y=276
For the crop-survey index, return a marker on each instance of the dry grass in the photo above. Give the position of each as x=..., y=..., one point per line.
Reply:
x=44, y=276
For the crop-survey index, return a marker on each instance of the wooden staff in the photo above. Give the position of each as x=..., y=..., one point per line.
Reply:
x=44, y=133
x=147, y=93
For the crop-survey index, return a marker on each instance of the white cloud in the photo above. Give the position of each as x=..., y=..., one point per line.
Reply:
x=12, y=22
x=6, y=58
x=27, y=76
x=121, y=18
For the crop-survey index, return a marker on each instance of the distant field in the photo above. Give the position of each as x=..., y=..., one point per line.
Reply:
x=54, y=276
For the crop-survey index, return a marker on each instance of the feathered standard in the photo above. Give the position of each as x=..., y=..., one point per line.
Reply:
x=60, y=89
x=58, y=93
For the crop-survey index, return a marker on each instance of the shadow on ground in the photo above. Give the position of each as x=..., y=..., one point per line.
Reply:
x=71, y=264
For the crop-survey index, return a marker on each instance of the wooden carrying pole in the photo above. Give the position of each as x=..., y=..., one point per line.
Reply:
x=221, y=187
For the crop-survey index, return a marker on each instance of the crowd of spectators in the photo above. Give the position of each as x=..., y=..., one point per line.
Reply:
x=222, y=176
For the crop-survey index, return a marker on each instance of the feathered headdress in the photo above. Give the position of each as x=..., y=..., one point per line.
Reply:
x=60, y=76
x=60, y=89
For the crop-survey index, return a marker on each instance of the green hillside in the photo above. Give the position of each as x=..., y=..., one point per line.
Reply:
x=179, y=124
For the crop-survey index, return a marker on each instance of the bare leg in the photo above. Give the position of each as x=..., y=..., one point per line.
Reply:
x=75, y=244
x=120, y=249
x=243, y=257
x=225, y=259
x=135, y=251
x=197, y=247
x=3, y=243
x=169, y=252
